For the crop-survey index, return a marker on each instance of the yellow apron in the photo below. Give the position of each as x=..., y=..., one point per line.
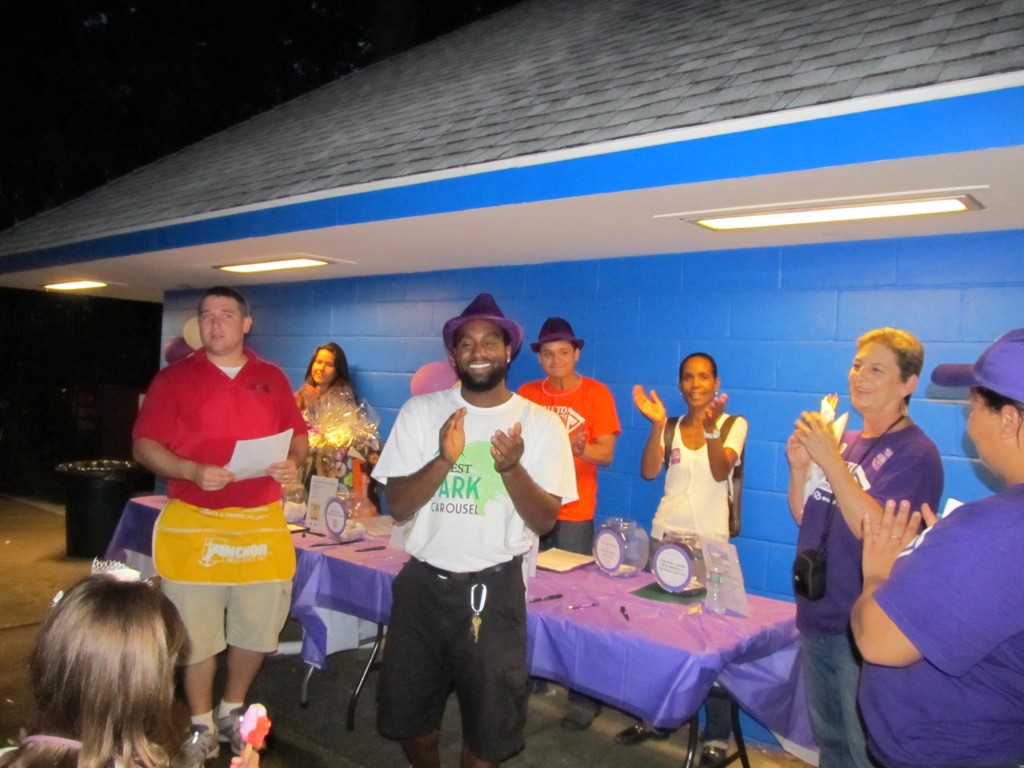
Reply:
x=235, y=545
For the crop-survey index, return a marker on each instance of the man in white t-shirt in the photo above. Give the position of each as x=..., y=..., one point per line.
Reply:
x=473, y=474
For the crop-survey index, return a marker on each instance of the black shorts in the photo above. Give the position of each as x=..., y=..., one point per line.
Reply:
x=430, y=650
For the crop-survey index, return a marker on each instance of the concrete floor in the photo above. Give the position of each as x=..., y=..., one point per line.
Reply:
x=33, y=567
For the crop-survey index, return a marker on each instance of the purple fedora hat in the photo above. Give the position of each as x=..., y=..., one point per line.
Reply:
x=556, y=329
x=483, y=307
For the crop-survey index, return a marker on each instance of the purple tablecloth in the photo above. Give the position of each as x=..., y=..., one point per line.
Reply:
x=658, y=664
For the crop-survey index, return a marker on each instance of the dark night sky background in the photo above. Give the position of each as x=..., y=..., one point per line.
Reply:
x=91, y=89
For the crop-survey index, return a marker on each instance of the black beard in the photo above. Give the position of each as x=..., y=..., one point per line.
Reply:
x=493, y=379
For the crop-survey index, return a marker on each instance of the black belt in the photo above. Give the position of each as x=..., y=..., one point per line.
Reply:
x=471, y=575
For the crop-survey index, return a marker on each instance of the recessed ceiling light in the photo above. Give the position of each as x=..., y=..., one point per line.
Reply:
x=859, y=212
x=269, y=266
x=75, y=285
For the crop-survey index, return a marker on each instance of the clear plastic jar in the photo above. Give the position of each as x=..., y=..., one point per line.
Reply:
x=293, y=498
x=621, y=548
x=689, y=541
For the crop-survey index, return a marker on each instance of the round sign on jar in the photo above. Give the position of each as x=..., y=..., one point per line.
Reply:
x=673, y=567
x=335, y=517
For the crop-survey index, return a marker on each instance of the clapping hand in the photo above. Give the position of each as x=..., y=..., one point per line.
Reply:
x=579, y=442
x=816, y=436
x=713, y=411
x=452, y=437
x=507, y=448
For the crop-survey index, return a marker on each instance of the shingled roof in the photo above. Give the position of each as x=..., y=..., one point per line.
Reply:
x=549, y=75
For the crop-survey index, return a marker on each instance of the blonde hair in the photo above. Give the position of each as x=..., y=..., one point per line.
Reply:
x=908, y=350
x=103, y=674
x=905, y=345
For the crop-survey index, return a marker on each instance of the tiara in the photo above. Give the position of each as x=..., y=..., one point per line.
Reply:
x=112, y=569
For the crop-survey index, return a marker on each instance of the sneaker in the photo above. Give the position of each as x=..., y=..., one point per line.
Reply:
x=200, y=746
x=229, y=730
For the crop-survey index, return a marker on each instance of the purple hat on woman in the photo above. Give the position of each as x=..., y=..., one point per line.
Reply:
x=483, y=307
x=1000, y=368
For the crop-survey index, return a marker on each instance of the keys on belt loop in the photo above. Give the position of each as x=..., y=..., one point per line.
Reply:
x=477, y=600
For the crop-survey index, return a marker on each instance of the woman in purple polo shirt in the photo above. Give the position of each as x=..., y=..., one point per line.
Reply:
x=889, y=458
x=941, y=622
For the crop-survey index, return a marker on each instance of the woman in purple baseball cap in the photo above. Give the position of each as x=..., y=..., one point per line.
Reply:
x=940, y=620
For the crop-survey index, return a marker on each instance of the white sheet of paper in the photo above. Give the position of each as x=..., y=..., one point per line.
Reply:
x=951, y=505
x=561, y=561
x=252, y=457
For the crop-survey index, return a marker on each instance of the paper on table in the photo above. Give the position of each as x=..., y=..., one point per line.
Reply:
x=559, y=560
x=252, y=457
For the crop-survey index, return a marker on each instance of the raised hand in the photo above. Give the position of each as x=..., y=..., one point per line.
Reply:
x=713, y=411
x=651, y=407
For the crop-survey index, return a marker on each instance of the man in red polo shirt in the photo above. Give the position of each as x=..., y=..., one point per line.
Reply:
x=221, y=545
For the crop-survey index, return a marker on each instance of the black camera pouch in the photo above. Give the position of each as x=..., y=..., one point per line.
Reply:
x=809, y=574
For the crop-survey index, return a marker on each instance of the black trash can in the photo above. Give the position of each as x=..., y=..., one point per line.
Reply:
x=96, y=493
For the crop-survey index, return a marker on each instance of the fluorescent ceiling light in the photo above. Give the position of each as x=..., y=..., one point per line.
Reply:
x=888, y=209
x=75, y=285
x=268, y=266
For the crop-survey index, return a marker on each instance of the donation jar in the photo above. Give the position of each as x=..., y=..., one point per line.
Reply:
x=621, y=548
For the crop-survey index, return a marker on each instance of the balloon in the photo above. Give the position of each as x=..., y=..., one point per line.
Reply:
x=191, y=333
x=176, y=349
x=432, y=377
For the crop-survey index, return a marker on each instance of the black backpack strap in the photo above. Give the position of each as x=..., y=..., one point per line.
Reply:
x=670, y=429
x=736, y=493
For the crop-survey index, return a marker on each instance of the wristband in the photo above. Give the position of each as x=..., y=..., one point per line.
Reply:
x=713, y=435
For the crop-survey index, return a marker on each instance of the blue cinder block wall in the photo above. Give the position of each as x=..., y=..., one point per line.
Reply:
x=781, y=322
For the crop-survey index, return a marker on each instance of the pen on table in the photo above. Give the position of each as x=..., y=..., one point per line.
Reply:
x=546, y=597
x=624, y=612
x=371, y=549
x=335, y=543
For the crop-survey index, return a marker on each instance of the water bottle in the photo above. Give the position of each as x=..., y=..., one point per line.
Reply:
x=715, y=599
